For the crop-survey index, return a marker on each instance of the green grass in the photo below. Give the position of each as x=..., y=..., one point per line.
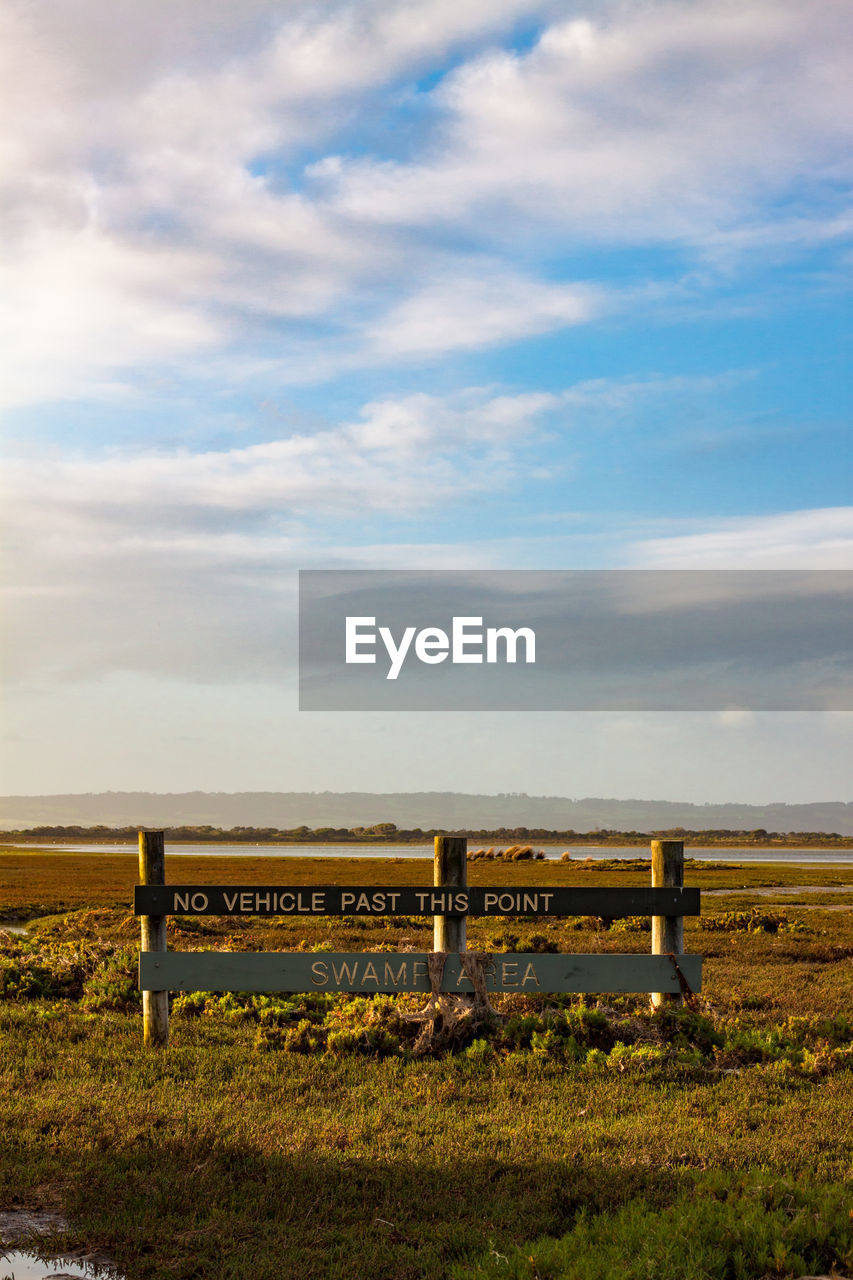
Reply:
x=217, y=1160
x=757, y=1226
x=573, y=1142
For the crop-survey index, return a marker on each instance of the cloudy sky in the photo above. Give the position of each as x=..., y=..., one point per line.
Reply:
x=407, y=284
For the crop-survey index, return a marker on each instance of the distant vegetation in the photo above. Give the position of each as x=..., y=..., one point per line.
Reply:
x=410, y=810
x=389, y=833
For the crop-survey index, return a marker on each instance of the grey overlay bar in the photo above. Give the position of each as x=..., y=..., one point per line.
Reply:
x=605, y=640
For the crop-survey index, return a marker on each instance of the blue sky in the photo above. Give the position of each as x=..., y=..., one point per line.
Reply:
x=484, y=283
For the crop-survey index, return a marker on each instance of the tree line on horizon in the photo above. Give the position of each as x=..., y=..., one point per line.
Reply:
x=389, y=833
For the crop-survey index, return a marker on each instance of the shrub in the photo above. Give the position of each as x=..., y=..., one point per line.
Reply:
x=113, y=985
x=540, y=944
x=753, y=921
x=736, y=1228
x=479, y=1051
x=33, y=968
x=632, y=924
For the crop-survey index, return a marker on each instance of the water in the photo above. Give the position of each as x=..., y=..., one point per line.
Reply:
x=17, y=1264
x=20, y=1230
x=824, y=857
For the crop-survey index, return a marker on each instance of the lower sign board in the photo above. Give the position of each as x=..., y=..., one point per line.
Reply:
x=476, y=900
x=384, y=971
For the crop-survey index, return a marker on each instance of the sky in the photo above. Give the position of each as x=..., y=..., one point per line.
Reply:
x=408, y=284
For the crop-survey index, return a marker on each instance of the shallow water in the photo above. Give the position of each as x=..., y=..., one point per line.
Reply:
x=20, y=1230
x=826, y=857
x=779, y=890
x=17, y=1264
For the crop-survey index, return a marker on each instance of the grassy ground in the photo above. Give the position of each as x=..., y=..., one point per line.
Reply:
x=574, y=1142
x=34, y=883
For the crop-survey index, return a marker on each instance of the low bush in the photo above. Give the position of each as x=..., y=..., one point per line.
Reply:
x=753, y=921
x=32, y=968
x=752, y=1227
x=113, y=984
x=632, y=924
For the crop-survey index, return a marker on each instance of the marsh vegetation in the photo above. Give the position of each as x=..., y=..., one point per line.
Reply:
x=301, y=1136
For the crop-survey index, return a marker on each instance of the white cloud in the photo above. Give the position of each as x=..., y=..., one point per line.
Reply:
x=398, y=454
x=80, y=307
x=185, y=563
x=813, y=539
x=648, y=122
x=180, y=184
x=461, y=311
x=140, y=227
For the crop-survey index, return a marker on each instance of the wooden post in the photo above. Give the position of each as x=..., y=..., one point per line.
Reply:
x=450, y=870
x=667, y=931
x=155, y=1004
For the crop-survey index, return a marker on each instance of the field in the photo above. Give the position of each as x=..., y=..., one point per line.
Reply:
x=301, y=1137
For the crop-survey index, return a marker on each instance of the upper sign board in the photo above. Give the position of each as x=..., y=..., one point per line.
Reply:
x=373, y=900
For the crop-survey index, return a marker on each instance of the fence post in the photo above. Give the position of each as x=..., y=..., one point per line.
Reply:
x=450, y=870
x=667, y=931
x=155, y=1004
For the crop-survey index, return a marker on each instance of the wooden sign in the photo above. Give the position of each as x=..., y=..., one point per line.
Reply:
x=344, y=900
x=384, y=971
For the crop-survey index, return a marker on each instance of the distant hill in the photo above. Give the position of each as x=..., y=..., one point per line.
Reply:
x=425, y=809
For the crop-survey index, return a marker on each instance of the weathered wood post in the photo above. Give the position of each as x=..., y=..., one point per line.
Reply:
x=450, y=870
x=155, y=1004
x=667, y=931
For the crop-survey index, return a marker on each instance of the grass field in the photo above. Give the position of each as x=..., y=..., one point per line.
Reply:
x=299, y=1136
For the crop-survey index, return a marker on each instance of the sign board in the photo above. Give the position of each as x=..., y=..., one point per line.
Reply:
x=369, y=972
x=374, y=900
